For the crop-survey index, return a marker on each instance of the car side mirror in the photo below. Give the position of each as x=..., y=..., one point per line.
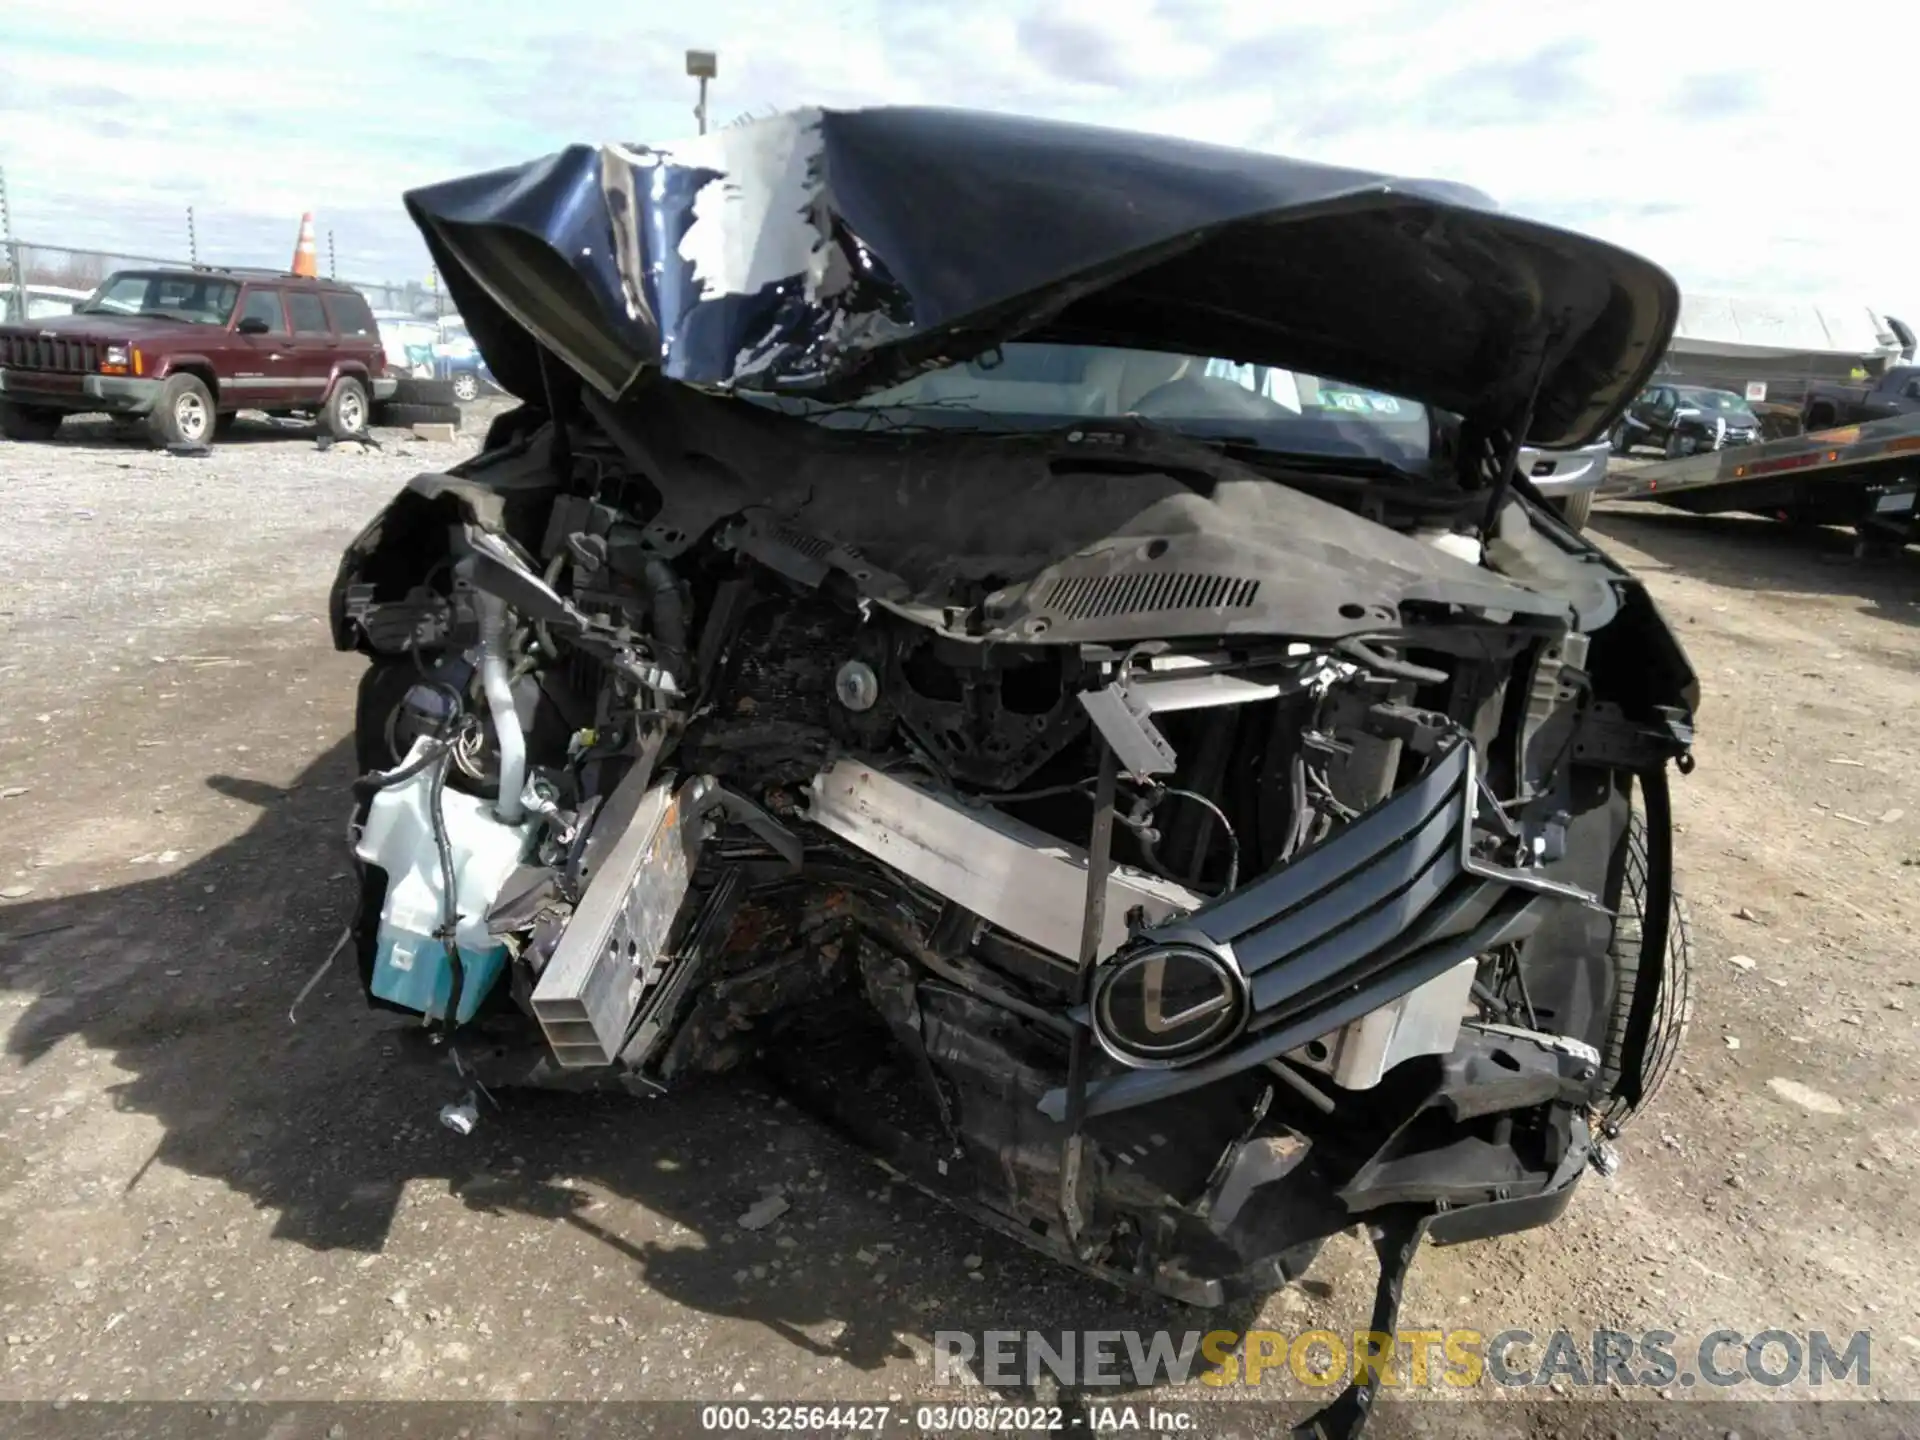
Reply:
x=253, y=325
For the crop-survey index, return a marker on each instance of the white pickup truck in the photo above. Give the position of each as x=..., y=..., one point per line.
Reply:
x=20, y=303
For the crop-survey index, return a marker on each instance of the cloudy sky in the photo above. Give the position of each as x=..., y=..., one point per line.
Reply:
x=1704, y=135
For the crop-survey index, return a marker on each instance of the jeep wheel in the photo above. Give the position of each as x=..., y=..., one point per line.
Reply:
x=345, y=414
x=184, y=413
x=466, y=387
x=29, y=422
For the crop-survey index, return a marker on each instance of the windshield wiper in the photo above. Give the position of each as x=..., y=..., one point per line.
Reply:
x=1249, y=451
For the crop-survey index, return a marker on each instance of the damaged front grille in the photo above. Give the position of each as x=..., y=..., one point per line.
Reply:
x=1101, y=597
x=1392, y=901
x=1311, y=922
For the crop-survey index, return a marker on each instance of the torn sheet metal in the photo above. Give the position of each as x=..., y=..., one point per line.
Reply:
x=835, y=253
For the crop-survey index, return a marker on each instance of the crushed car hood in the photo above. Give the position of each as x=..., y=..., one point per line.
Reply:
x=836, y=253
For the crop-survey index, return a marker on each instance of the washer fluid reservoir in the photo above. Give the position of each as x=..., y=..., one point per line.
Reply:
x=410, y=965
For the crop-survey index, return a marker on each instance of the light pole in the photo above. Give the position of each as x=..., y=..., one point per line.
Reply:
x=10, y=253
x=702, y=65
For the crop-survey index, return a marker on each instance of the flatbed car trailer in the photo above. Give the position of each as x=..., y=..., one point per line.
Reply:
x=1865, y=477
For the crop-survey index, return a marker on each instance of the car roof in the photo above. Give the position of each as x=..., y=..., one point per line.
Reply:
x=243, y=274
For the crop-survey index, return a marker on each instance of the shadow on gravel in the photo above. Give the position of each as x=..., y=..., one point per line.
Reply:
x=89, y=434
x=186, y=979
x=1748, y=553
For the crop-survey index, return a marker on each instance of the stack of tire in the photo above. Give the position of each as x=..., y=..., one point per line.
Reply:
x=418, y=402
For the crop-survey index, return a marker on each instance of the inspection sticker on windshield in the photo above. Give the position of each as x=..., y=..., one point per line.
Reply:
x=1360, y=401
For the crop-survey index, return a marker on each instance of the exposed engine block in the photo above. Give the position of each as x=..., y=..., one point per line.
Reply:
x=778, y=805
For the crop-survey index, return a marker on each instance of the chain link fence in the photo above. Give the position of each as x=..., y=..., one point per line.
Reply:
x=39, y=281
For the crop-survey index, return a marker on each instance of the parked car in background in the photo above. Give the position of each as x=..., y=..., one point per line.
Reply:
x=469, y=376
x=1896, y=392
x=182, y=351
x=459, y=362
x=41, y=302
x=409, y=342
x=1686, y=419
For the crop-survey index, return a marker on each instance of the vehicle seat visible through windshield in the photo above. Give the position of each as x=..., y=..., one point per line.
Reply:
x=1123, y=376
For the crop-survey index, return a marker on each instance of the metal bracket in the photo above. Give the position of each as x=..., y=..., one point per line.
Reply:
x=1125, y=722
x=1092, y=930
x=762, y=824
x=655, y=1021
x=614, y=948
x=1604, y=736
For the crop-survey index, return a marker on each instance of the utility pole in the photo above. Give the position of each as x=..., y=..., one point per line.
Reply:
x=11, y=253
x=193, y=240
x=702, y=65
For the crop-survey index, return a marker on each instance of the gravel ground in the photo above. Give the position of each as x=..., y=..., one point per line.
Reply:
x=199, y=1198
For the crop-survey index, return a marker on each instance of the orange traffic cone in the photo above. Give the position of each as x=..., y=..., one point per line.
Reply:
x=306, y=260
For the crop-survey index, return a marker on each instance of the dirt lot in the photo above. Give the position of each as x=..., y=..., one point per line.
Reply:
x=201, y=1199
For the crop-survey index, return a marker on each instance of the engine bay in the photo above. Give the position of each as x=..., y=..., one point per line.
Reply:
x=1167, y=867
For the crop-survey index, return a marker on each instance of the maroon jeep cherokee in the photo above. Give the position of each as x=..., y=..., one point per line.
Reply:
x=183, y=351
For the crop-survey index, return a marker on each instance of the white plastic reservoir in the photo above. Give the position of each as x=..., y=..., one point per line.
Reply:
x=410, y=963
x=1464, y=547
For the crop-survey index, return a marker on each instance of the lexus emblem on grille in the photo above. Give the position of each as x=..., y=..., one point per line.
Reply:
x=1168, y=1005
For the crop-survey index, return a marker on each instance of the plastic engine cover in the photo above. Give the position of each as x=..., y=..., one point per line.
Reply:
x=410, y=964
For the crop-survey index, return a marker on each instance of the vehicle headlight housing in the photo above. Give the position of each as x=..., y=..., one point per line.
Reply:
x=115, y=359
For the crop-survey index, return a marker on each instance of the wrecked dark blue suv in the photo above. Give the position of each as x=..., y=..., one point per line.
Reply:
x=1036, y=638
